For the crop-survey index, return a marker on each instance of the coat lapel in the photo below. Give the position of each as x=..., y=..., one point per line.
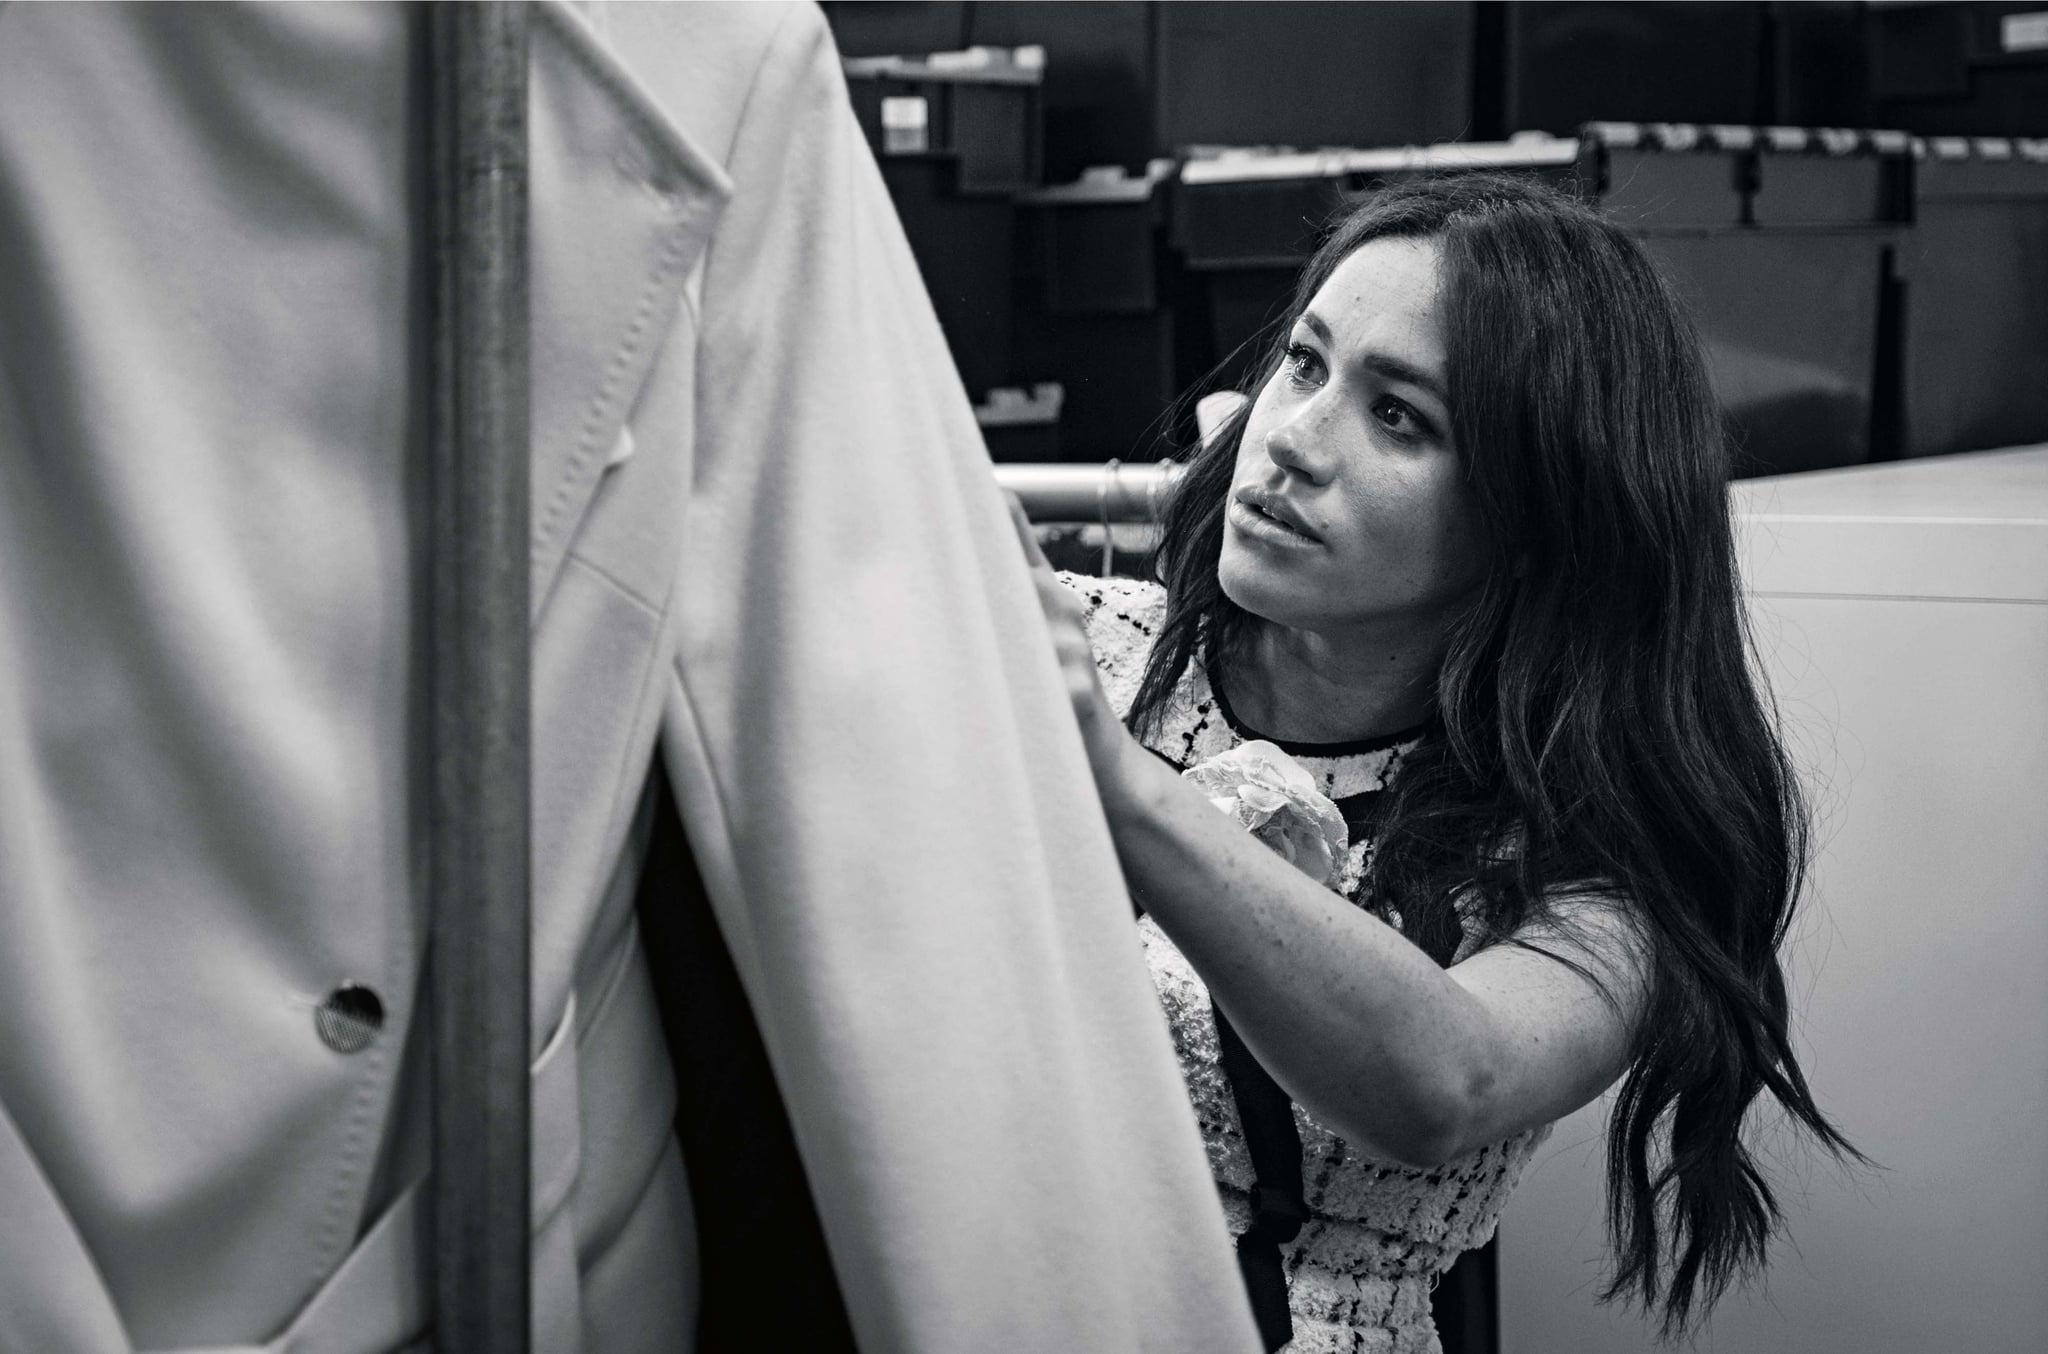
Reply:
x=621, y=208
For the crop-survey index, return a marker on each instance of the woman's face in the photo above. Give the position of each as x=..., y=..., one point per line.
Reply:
x=1347, y=507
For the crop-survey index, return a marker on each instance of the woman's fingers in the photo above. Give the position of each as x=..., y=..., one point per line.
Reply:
x=1026, y=533
x=1066, y=619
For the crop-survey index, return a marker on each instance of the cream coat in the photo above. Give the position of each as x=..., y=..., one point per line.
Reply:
x=766, y=547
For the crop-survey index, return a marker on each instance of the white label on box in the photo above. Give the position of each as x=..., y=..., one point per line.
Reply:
x=2024, y=32
x=905, y=114
x=906, y=126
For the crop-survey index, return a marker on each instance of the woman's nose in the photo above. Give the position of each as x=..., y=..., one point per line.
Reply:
x=1291, y=446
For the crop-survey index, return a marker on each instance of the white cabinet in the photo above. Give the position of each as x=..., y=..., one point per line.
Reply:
x=1902, y=613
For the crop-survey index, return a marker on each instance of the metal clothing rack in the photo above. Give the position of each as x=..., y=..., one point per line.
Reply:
x=1111, y=492
x=475, y=820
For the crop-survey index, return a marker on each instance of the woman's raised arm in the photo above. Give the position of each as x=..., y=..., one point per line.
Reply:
x=1412, y=1061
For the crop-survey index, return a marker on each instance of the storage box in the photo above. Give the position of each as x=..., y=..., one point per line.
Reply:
x=1901, y=612
x=1793, y=319
x=1976, y=323
x=978, y=109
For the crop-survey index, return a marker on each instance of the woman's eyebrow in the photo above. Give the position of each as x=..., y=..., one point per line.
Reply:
x=1381, y=363
x=1394, y=369
x=1317, y=327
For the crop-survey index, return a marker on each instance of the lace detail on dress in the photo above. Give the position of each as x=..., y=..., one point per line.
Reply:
x=1379, y=1233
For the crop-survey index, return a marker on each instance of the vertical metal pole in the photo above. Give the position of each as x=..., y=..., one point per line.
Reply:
x=479, y=665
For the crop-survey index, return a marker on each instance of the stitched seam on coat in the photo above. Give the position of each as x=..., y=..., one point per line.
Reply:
x=328, y=1255
x=585, y=44
x=601, y=404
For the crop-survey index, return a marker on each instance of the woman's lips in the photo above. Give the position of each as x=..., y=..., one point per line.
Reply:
x=1267, y=519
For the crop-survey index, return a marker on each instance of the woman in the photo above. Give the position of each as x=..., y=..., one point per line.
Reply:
x=1466, y=556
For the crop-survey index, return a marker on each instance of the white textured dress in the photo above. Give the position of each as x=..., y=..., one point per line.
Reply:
x=1379, y=1234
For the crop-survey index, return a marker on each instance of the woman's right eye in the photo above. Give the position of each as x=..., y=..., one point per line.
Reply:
x=1303, y=367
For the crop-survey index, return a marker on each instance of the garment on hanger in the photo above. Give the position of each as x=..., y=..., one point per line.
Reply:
x=765, y=540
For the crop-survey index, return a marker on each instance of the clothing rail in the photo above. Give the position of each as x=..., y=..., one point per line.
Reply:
x=478, y=671
x=1112, y=492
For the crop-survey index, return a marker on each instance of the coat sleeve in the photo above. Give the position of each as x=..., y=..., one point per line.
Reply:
x=889, y=799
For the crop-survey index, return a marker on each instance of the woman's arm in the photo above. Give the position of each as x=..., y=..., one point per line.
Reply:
x=1415, y=1062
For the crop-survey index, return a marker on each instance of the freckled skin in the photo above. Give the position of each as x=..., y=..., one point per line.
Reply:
x=1368, y=462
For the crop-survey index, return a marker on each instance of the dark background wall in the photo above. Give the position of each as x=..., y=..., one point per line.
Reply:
x=1127, y=81
x=1853, y=311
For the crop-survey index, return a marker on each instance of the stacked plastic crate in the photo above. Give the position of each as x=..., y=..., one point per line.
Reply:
x=1975, y=343
x=1781, y=240
x=1864, y=295
x=959, y=136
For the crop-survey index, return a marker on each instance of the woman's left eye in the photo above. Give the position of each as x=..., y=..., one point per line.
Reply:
x=1399, y=416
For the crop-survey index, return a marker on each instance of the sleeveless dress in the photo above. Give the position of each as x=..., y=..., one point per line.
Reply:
x=1379, y=1234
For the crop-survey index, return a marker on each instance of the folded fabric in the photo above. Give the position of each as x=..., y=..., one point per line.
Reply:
x=1270, y=795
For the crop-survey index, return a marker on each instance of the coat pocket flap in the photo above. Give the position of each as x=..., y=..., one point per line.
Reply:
x=557, y=1119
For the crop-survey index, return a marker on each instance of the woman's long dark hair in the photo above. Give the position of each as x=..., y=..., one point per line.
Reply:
x=1599, y=719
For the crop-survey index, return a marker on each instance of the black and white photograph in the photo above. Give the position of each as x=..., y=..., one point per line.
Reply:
x=1023, y=677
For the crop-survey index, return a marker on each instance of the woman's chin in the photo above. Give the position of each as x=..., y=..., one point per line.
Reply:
x=1257, y=586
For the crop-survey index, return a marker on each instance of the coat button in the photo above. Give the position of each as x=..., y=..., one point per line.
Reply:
x=349, y=1019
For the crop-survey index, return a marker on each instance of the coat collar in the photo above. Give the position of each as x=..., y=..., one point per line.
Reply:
x=621, y=208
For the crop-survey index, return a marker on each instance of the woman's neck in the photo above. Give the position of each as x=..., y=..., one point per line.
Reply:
x=1309, y=687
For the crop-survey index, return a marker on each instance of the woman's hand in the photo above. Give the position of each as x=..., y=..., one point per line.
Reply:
x=1116, y=758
